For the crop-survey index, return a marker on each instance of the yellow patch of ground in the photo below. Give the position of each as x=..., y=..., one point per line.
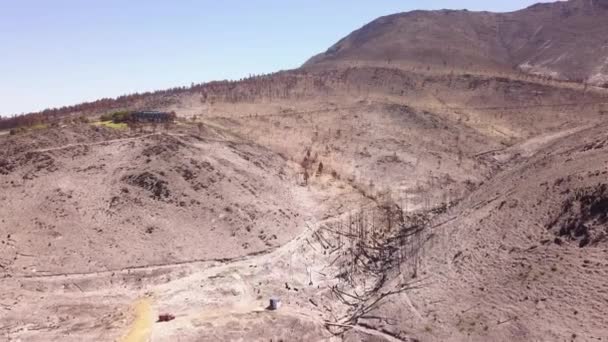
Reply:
x=111, y=124
x=141, y=328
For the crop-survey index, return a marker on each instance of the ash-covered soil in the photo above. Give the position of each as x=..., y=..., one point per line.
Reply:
x=380, y=202
x=523, y=257
x=583, y=215
x=380, y=217
x=371, y=220
x=100, y=200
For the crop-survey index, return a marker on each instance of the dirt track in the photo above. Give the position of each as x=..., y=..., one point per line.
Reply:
x=153, y=296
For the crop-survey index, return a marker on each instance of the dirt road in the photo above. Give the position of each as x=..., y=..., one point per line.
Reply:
x=211, y=291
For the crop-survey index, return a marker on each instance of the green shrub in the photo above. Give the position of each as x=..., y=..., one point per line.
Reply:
x=18, y=130
x=121, y=116
x=116, y=117
x=106, y=117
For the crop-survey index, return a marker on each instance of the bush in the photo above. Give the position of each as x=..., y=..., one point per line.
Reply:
x=18, y=130
x=106, y=117
x=122, y=116
x=116, y=117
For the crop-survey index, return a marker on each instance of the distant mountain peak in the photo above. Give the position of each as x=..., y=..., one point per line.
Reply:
x=565, y=40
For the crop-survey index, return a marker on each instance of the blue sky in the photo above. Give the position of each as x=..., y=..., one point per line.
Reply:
x=63, y=52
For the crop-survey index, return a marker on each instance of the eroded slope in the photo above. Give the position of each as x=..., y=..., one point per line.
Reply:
x=155, y=198
x=523, y=257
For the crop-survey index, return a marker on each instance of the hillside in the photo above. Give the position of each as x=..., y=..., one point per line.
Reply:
x=132, y=201
x=523, y=257
x=563, y=40
x=411, y=184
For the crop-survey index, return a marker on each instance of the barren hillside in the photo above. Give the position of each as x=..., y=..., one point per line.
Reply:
x=564, y=40
x=524, y=251
x=381, y=198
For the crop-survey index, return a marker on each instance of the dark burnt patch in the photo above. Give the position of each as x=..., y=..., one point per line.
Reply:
x=583, y=216
x=162, y=145
x=150, y=182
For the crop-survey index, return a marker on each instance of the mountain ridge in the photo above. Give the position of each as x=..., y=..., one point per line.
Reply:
x=557, y=40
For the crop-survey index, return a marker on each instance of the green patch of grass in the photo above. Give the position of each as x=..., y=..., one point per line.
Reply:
x=39, y=126
x=111, y=124
x=181, y=123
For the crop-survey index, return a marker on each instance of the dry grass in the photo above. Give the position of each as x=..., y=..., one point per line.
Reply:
x=110, y=124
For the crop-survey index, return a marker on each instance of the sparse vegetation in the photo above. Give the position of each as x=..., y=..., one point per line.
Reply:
x=122, y=116
x=111, y=124
x=18, y=130
x=378, y=201
x=39, y=126
x=583, y=216
x=83, y=119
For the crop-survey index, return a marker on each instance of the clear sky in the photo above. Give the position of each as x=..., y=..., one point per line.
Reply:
x=62, y=52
